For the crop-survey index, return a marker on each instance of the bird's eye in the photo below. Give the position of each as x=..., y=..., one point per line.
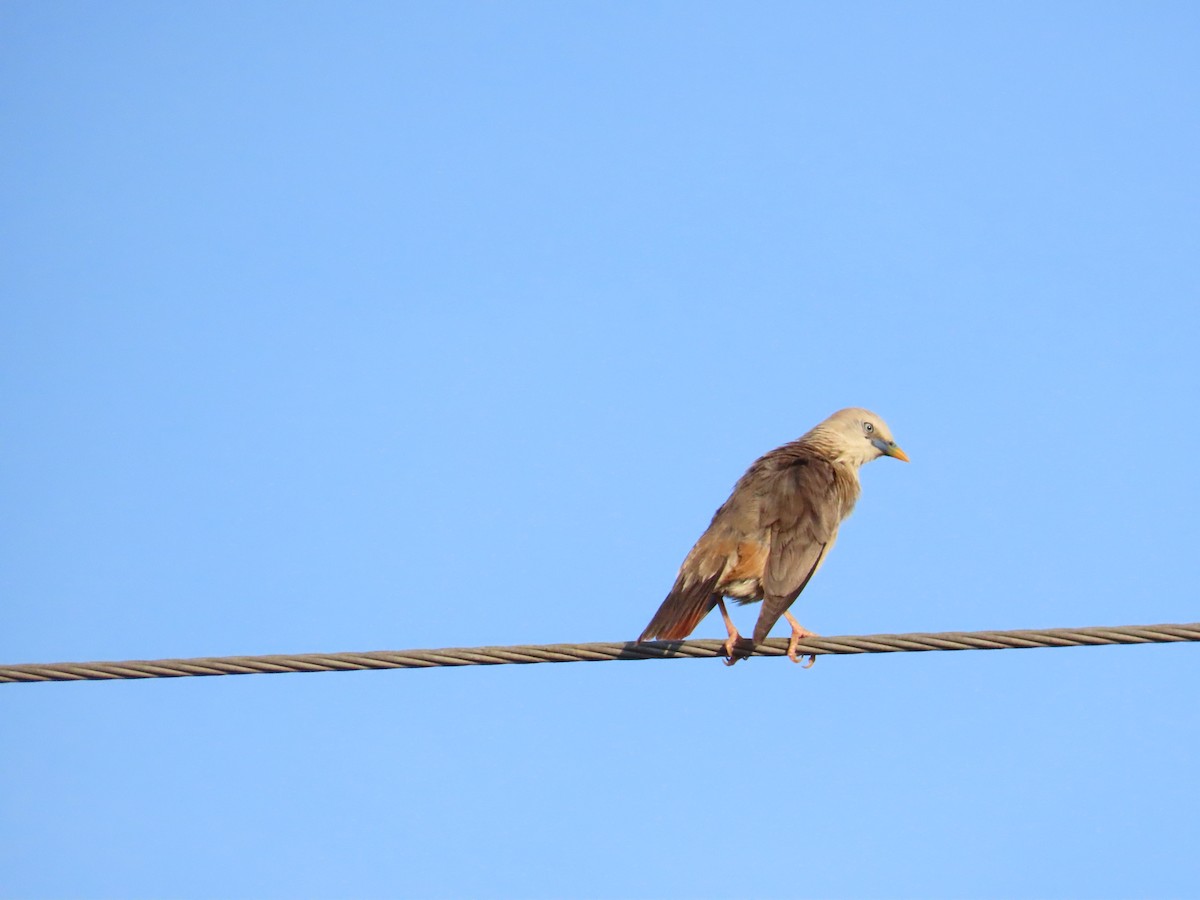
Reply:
x=868, y=427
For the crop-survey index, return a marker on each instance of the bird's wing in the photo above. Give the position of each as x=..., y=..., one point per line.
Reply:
x=802, y=509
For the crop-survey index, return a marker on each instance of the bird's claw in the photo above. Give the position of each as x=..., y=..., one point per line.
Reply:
x=795, y=656
x=730, y=659
x=799, y=632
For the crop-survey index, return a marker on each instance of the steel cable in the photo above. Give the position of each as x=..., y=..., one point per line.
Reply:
x=595, y=652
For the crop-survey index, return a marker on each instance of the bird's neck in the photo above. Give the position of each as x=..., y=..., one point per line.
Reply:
x=836, y=450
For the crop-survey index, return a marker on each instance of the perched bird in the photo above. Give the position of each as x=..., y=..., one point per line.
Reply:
x=772, y=534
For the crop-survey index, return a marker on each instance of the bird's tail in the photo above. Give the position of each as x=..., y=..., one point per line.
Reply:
x=688, y=602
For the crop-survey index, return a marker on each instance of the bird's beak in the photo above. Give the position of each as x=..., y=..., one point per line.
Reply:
x=889, y=448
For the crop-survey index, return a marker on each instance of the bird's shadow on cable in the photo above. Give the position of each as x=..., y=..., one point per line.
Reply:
x=660, y=650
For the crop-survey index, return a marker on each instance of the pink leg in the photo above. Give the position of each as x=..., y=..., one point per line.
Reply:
x=734, y=637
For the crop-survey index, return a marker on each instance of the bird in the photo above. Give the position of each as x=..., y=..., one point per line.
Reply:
x=771, y=536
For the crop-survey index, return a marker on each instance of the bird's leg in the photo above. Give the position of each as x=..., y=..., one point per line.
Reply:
x=799, y=632
x=734, y=637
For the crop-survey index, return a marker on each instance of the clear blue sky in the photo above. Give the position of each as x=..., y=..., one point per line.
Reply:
x=353, y=326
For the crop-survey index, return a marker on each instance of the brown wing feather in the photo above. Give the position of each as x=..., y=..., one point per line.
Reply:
x=802, y=508
x=776, y=604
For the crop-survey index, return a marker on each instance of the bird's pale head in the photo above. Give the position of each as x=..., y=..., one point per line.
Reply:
x=858, y=436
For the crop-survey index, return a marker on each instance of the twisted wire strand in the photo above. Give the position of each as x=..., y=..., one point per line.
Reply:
x=595, y=652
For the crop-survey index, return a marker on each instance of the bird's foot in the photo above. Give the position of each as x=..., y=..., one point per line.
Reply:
x=799, y=633
x=730, y=643
x=736, y=648
x=795, y=657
